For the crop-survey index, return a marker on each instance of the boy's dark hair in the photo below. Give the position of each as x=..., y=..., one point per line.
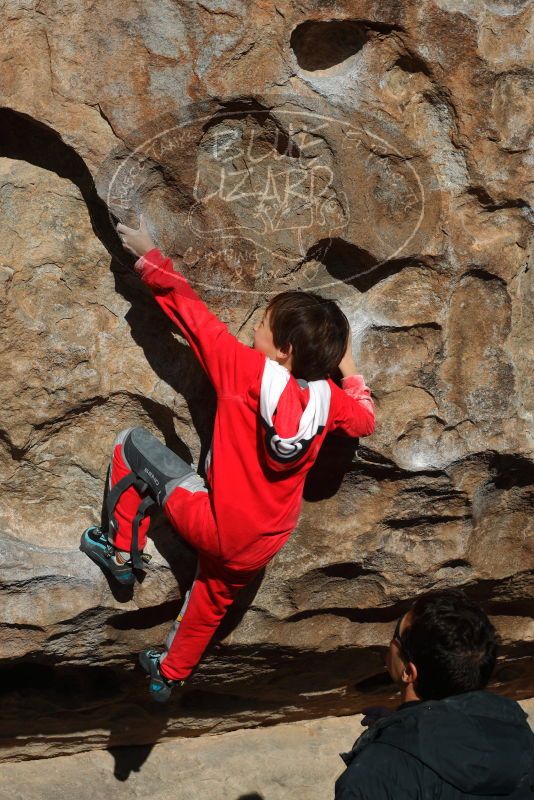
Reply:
x=316, y=328
x=451, y=642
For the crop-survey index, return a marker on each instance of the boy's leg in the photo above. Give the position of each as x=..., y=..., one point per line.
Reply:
x=191, y=514
x=213, y=591
x=137, y=454
x=167, y=477
x=111, y=549
x=176, y=624
x=121, y=520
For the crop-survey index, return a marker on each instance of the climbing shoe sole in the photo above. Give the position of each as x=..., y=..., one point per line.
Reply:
x=94, y=544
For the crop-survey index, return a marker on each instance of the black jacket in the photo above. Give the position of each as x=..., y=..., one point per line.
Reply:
x=474, y=745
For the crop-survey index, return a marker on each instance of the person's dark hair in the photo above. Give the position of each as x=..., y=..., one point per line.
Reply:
x=317, y=329
x=451, y=642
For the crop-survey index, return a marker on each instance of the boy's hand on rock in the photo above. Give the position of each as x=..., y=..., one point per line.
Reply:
x=347, y=365
x=135, y=241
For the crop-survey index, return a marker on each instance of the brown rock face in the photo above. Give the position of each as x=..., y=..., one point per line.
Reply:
x=378, y=153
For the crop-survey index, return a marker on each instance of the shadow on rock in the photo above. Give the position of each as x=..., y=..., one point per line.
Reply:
x=129, y=759
x=335, y=459
x=122, y=594
x=178, y=554
x=140, y=723
x=28, y=140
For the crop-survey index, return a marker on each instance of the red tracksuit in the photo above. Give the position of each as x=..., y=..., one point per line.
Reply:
x=249, y=511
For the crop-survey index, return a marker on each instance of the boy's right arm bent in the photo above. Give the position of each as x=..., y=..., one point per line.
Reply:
x=229, y=364
x=353, y=407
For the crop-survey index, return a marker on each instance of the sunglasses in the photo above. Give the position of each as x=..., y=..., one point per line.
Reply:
x=396, y=633
x=404, y=654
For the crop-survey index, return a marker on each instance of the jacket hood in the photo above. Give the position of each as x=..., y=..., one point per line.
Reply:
x=293, y=412
x=477, y=742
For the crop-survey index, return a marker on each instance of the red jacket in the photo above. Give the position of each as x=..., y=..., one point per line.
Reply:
x=255, y=508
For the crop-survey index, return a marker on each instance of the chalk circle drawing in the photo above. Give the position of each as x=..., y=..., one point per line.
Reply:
x=262, y=186
x=506, y=8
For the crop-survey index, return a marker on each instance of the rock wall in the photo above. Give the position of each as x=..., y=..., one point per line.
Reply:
x=377, y=152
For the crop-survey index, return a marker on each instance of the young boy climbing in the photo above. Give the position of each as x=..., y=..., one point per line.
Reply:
x=275, y=405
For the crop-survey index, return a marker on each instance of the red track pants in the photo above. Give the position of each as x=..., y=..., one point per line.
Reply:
x=215, y=586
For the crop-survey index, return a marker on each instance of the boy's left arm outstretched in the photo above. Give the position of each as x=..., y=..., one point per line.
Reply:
x=229, y=363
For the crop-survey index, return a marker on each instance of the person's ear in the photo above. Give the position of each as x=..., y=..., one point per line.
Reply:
x=409, y=673
x=286, y=351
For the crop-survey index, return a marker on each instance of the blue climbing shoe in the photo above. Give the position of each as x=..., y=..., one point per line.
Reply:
x=160, y=687
x=95, y=544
